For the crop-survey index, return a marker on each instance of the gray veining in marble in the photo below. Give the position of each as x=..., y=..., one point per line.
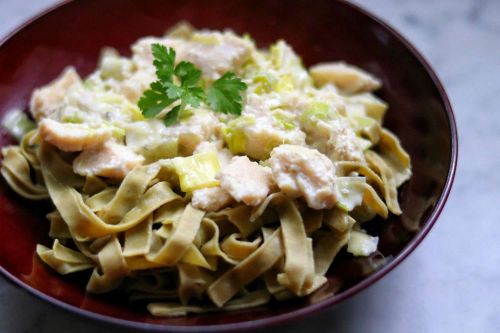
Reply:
x=451, y=282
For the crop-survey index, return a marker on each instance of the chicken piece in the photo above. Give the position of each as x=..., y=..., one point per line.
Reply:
x=344, y=144
x=336, y=139
x=72, y=137
x=47, y=99
x=142, y=55
x=216, y=53
x=347, y=78
x=304, y=172
x=264, y=135
x=329, y=131
x=246, y=181
x=108, y=160
x=198, y=128
x=211, y=199
x=213, y=52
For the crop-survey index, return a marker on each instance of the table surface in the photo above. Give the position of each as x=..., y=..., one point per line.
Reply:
x=450, y=283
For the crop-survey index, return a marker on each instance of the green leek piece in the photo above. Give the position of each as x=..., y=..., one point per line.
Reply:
x=361, y=244
x=234, y=134
x=316, y=111
x=286, y=120
x=197, y=171
x=17, y=124
x=264, y=83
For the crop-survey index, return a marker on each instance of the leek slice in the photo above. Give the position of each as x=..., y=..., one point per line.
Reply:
x=317, y=111
x=361, y=244
x=197, y=171
x=17, y=124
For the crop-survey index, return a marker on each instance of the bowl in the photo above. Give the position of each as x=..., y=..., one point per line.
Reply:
x=73, y=33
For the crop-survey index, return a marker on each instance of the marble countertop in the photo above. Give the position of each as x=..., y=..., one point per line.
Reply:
x=451, y=282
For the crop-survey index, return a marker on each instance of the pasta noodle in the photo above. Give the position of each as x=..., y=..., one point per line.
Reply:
x=207, y=215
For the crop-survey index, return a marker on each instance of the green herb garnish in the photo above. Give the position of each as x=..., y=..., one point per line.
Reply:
x=223, y=96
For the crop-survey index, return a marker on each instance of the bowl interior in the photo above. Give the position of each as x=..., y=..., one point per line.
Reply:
x=319, y=31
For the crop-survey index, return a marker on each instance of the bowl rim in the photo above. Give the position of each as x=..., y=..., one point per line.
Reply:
x=309, y=309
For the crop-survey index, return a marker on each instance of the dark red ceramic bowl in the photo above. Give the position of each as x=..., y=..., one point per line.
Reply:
x=74, y=33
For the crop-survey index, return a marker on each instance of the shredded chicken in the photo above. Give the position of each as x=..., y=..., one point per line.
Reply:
x=304, y=172
x=108, y=160
x=49, y=98
x=72, y=137
x=246, y=181
x=213, y=52
x=211, y=199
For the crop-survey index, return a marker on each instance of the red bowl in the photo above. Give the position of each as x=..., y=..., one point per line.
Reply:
x=73, y=33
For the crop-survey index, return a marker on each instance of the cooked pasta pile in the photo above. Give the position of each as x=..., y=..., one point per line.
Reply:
x=216, y=211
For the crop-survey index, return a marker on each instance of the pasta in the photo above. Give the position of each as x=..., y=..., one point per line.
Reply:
x=217, y=211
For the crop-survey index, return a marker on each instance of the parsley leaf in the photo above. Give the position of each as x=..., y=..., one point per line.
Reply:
x=173, y=91
x=224, y=95
x=154, y=100
x=188, y=74
x=172, y=116
x=193, y=96
x=164, y=62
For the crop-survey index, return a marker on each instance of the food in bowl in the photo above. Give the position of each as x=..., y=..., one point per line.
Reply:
x=205, y=174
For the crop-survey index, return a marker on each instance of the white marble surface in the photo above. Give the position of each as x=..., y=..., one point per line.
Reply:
x=451, y=282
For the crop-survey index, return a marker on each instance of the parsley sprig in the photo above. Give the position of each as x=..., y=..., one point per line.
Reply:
x=223, y=96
